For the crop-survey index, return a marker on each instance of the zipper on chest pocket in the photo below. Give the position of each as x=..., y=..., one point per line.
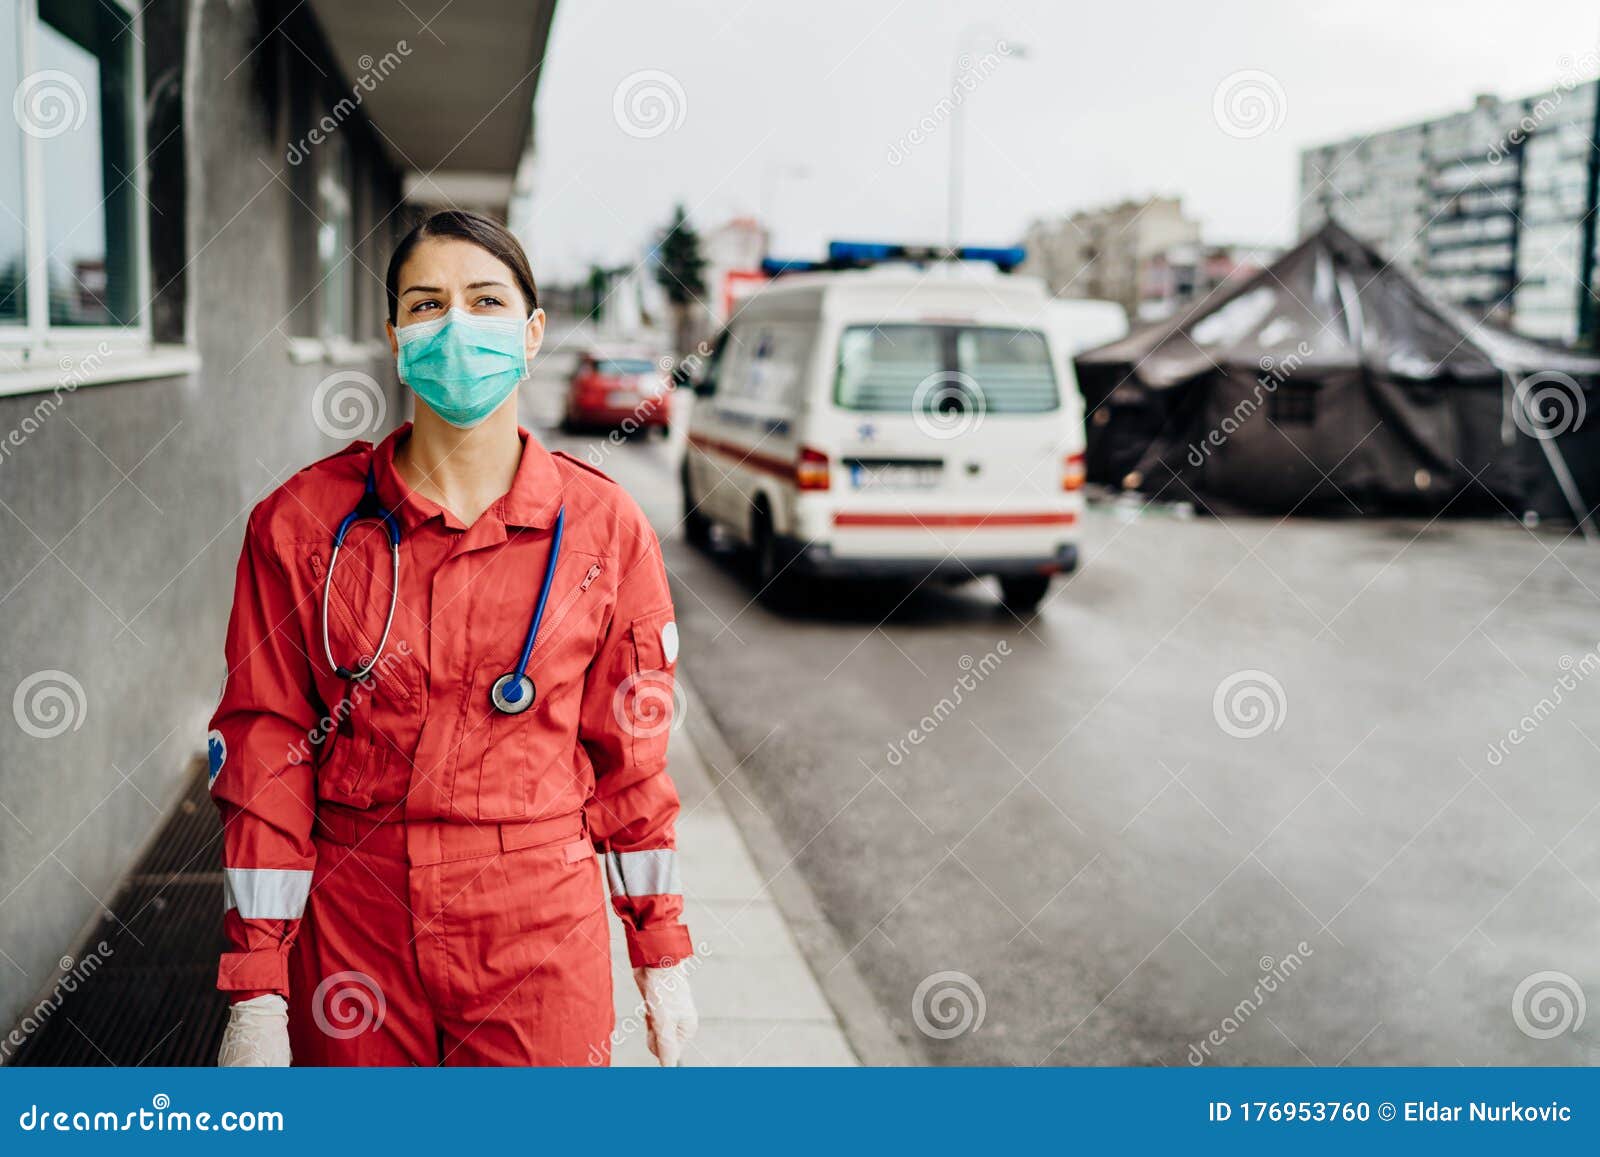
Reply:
x=549, y=628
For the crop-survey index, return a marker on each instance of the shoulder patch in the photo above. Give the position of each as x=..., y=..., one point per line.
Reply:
x=589, y=466
x=216, y=755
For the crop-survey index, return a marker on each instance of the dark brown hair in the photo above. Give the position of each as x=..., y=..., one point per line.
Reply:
x=484, y=232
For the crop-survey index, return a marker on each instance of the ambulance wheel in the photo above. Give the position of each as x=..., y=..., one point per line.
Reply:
x=696, y=526
x=1022, y=594
x=774, y=587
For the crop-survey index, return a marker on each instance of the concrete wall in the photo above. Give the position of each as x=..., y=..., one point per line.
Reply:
x=123, y=511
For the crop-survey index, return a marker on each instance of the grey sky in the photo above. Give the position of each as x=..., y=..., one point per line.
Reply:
x=1112, y=100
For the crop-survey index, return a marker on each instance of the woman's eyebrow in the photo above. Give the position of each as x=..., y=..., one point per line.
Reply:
x=486, y=284
x=422, y=289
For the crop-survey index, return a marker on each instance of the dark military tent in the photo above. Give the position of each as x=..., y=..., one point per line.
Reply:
x=1330, y=381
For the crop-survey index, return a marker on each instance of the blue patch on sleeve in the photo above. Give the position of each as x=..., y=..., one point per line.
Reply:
x=217, y=753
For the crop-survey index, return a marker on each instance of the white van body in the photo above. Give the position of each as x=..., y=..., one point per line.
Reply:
x=1084, y=323
x=941, y=405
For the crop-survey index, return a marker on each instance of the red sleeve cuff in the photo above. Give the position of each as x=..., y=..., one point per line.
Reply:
x=246, y=974
x=658, y=947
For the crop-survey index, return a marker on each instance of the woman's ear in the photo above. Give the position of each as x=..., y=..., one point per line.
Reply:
x=535, y=334
x=394, y=342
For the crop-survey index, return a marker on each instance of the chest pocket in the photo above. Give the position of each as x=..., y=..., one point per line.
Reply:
x=358, y=605
x=367, y=720
x=516, y=766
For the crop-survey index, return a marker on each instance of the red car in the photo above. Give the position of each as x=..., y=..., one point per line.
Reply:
x=617, y=391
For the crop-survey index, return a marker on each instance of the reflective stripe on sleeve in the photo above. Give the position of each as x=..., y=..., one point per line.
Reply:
x=266, y=893
x=651, y=873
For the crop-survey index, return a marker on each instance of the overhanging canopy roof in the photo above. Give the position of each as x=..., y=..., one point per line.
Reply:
x=457, y=100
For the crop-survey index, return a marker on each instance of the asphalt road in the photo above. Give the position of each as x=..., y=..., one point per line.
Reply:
x=1086, y=857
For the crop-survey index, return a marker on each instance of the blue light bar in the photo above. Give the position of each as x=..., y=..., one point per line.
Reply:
x=1004, y=259
x=857, y=253
x=776, y=266
x=863, y=252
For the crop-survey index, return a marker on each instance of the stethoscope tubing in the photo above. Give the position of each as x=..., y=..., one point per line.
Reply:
x=507, y=693
x=544, y=594
x=388, y=623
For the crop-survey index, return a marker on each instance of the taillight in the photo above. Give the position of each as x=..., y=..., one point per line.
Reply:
x=811, y=469
x=1072, y=472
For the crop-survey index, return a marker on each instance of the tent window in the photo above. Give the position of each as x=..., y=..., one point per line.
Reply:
x=1293, y=404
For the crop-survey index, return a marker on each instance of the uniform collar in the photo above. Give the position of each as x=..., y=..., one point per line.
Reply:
x=532, y=501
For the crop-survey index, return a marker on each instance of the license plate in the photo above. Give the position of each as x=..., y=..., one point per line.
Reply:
x=892, y=476
x=622, y=399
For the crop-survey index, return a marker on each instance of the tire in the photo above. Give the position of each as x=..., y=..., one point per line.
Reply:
x=1022, y=594
x=696, y=526
x=772, y=582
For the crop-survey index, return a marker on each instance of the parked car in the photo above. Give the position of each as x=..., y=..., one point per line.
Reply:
x=892, y=422
x=612, y=390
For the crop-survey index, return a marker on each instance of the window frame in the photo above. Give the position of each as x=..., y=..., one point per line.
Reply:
x=36, y=355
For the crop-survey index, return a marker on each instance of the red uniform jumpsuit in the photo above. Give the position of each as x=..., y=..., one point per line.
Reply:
x=414, y=869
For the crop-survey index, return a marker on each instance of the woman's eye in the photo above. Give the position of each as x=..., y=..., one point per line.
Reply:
x=423, y=306
x=490, y=302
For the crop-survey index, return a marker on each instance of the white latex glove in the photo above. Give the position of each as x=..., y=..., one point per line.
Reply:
x=669, y=1011
x=257, y=1035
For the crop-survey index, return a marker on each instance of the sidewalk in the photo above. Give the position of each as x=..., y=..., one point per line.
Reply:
x=153, y=999
x=759, y=1003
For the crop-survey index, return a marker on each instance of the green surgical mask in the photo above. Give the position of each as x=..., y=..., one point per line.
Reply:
x=463, y=366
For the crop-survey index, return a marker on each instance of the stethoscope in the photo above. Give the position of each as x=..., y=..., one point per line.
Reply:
x=512, y=693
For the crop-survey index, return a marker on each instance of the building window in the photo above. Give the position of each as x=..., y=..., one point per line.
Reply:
x=72, y=254
x=335, y=265
x=1293, y=404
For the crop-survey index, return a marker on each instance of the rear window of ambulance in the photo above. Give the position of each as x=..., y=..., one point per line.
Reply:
x=899, y=368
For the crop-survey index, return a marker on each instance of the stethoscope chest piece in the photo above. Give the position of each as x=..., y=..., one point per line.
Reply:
x=513, y=693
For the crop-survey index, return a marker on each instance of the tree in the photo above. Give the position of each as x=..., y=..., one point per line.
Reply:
x=680, y=271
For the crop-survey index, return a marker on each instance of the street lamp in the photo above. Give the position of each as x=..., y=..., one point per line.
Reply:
x=957, y=134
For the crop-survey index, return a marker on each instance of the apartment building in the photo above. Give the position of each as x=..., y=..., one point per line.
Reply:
x=1490, y=207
